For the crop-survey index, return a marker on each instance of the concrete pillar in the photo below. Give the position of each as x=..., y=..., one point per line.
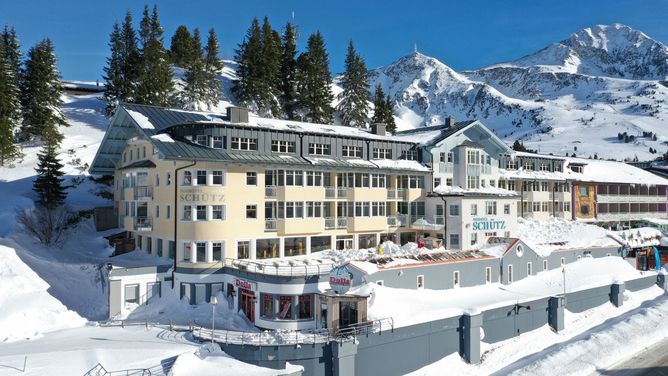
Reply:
x=343, y=358
x=617, y=294
x=556, y=313
x=662, y=281
x=469, y=327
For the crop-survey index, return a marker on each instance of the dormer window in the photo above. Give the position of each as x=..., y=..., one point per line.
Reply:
x=244, y=143
x=409, y=155
x=351, y=151
x=217, y=142
x=278, y=146
x=511, y=164
x=202, y=139
x=576, y=168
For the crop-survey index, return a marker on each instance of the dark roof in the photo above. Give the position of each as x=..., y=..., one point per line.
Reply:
x=163, y=118
x=458, y=125
x=139, y=164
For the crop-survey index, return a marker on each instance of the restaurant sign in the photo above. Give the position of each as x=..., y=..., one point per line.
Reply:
x=340, y=279
x=246, y=285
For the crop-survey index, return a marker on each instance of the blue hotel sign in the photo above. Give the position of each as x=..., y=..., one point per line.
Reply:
x=488, y=224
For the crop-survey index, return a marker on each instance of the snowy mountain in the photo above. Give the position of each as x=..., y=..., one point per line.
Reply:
x=573, y=96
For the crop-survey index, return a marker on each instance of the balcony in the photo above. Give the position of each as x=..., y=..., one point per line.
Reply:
x=401, y=193
x=143, y=192
x=342, y=222
x=342, y=192
x=270, y=225
x=330, y=223
x=330, y=192
x=391, y=194
x=270, y=191
x=445, y=167
x=603, y=198
x=143, y=224
x=392, y=222
x=477, y=170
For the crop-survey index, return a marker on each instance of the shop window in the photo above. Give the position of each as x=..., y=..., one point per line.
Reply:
x=132, y=294
x=216, y=289
x=321, y=243
x=295, y=246
x=267, y=306
x=243, y=249
x=420, y=282
x=367, y=241
x=266, y=248
x=285, y=307
x=305, y=307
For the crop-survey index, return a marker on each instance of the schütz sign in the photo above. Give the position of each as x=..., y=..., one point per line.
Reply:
x=199, y=195
x=488, y=224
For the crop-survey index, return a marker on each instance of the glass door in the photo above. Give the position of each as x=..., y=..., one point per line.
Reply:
x=247, y=303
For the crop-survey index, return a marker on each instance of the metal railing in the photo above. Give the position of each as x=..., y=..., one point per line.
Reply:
x=280, y=267
x=342, y=222
x=401, y=193
x=330, y=192
x=99, y=370
x=330, y=223
x=143, y=191
x=403, y=220
x=270, y=224
x=270, y=191
x=391, y=194
x=143, y=223
x=392, y=221
x=341, y=192
x=369, y=327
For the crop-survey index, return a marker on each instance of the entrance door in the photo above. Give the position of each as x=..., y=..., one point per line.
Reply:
x=347, y=314
x=342, y=244
x=247, y=303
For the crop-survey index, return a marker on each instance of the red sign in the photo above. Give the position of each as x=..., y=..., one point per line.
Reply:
x=339, y=281
x=244, y=284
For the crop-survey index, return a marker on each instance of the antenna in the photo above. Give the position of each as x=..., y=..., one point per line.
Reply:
x=415, y=50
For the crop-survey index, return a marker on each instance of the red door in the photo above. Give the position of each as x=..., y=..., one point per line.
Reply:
x=248, y=304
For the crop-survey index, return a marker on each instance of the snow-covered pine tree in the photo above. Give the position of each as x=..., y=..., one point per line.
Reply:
x=155, y=86
x=48, y=183
x=194, y=93
x=212, y=67
x=271, y=68
x=353, y=104
x=314, y=82
x=40, y=90
x=288, y=83
x=113, y=72
x=249, y=86
x=12, y=51
x=10, y=108
x=182, y=49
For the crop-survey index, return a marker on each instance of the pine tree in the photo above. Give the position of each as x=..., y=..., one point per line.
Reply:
x=195, y=90
x=10, y=113
x=213, y=62
x=131, y=60
x=212, y=67
x=155, y=86
x=390, y=124
x=271, y=68
x=12, y=51
x=182, y=50
x=379, y=106
x=113, y=72
x=353, y=104
x=288, y=83
x=314, y=82
x=49, y=182
x=248, y=87
x=40, y=90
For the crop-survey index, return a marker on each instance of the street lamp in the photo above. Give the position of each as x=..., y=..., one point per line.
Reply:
x=213, y=302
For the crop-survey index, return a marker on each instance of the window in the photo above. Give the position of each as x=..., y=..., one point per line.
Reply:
x=218, y=212
x=266, y=248
x=251, y=211
x=473, y=182
x=267, y=306
x=474, y=209
x=251, y=178
x=321, y=243
x=243, y=249
x=529, y=269
x=378, y=209
x=545, y=206
x=313, y=209
x=544, y=186
x=169, y=178
x=187, y=178
x=474, y=238
x=450, y=157
x=217, y=251
x=201, y=212
x=201, y=177
x=545, y=265
x=217, y=177
x=490, y=207
x=187, y=213
x=410, y=155
x=454, y=210
x=285, y=307
x=294, y=178
x=528, y=166
x=351, y=151
x=282, y=146
x=132, y=294
x=157, y=211
x=454, y=240
x=305, y=309
x=157, y=179
x=535, y=206
x=378, y=180
x=510, y=274
x=217, y=142
x=473, y=156
x=379, y=153
x=488, y=275
x=442, y=157
x=187, y=251
x=506, y=209
x=563, y=261
x=244, y=143
x=584, y=191
x=202, y=140
x=314, y=178
x=168, y=213
x=437, y=182
x=420, y=281
x=380, y=282
x=295, y=246
x=201, y=252
x=584, y=209
x=448, y=182
x=319, y=149
x=455, y=278
x=158, y=247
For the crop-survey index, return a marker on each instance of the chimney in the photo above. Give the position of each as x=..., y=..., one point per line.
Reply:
x=237, y=114
x=378, y=128
x=450, y=121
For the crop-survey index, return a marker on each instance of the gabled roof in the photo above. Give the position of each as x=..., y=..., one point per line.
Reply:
x=140, y=164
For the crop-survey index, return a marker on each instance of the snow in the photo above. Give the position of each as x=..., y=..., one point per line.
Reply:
x=448, y=190
x=409, y=306
x=545, y=237
x=140, y=119
x=399, y=164
x=639, y=237
x=591, y=341
x=26, y=308
x=496, y=250
x=163, y=137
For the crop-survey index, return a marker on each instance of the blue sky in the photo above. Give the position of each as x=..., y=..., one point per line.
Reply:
x=464, y=35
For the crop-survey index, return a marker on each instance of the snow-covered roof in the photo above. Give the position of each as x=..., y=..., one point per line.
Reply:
x=446, y=190
x=638, y=237
x=555, y=234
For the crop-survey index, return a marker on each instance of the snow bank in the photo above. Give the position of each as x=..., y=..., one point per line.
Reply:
x=26, y=308
x=211, y=360
x=448, y=190
x=544, y=237
x=180, y=312
x=409, y=306
x=639, y=237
